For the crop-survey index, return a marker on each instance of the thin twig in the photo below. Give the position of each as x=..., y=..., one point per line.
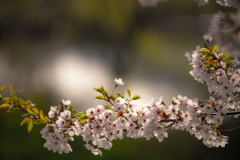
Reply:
x=228, y=130
x=174, y=120
x=110, y=101
x=169, y=120
x=227, y=114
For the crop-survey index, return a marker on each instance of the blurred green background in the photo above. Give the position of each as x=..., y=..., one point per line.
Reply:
x=61, y=49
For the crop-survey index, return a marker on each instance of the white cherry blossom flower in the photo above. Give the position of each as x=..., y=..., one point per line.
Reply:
x=53, y=112
x=207, y=37
x=66, y=114
x=97, y=152
x=91, y=112
x=61, y=122
x=118, y=82
x=66, y=103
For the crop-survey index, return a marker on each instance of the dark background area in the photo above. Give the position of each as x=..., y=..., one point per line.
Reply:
x=61, y=49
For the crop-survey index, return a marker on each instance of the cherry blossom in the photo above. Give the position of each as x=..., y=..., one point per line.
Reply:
x=118, y=82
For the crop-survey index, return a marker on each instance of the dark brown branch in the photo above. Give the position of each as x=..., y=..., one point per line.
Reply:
x=228, y=130
x=174, y=120
x=228, y=114
x=169, y=120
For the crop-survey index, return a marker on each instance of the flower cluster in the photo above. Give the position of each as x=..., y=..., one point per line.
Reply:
x=100, y=125
x=60, y=128
x=219, y=71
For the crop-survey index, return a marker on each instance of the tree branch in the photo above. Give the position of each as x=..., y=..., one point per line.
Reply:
x=228, y=130
x=174, y=120
x=228, y=114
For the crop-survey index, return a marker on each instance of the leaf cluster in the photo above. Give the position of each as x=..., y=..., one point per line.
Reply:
x=32, y=114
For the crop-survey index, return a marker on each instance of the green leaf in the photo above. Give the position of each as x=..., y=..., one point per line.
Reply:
x=209, y=64
x=141, y=111
x=69, y=107
x=81, y=115
x=83, y=120
x=122, y=95
x=204, y=50
x=207, y=55
x=30, y=111
x=215, y=48
x=173, y=102
x=50, y=129
x=222, y=56
x=227, y=61
x=101, y=90
x=99, y=97
x=107, y=107
x=112, y=97
x=36, y=110
x=97, y=89
x=2, y=88
x=136, y=97
x=74, y=113
x=42, y=116
x=24, y=121
x=38, y=121
x=11, y=90
x=129, y=93
x=24, y=115
x=166, y=128
x=30, y=124
x=16, y=99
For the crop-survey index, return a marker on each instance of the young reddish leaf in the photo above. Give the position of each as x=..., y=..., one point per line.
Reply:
x=112, y=97
x=30, y=111
x=35, y=110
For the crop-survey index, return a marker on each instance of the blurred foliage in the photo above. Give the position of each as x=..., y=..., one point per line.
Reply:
x=107, y=20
